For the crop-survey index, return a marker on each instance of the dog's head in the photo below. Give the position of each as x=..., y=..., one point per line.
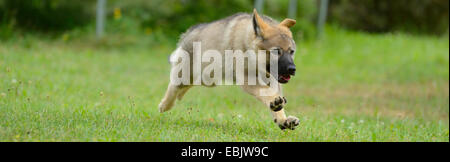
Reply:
x=276, y=39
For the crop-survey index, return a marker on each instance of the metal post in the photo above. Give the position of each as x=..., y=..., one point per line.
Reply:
x=292, y=11
x=322, y=17
x=100, y=24
x=259, y=5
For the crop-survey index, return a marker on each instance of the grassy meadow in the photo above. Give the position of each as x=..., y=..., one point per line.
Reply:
x=349, y=86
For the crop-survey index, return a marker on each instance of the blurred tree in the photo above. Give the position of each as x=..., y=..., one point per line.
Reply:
x=45, y=15
x=292, y=11
x=100, y=18
x=417, y=16
x=322, y=16
x=167, y=17
x=259, y=6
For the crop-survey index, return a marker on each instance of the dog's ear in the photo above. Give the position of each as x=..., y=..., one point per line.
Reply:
x=259, y=26
x=288, y=23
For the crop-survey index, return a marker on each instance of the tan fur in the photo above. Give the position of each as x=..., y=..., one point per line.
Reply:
x=237, y=33
x=287, y=23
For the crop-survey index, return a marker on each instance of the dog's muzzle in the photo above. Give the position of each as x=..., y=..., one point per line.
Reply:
x=284, y=78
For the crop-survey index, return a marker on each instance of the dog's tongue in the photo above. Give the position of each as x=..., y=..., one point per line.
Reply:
x=286, y=77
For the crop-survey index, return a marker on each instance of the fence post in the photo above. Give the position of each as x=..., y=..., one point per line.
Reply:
x=292, y=11
x=100, y=22
x=259, y=5
x=322, y=17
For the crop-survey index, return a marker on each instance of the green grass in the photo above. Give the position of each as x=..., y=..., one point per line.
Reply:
x=349, y=87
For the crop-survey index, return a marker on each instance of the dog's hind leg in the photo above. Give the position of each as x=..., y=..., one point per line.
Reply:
x=182, y=92
x=173, y=92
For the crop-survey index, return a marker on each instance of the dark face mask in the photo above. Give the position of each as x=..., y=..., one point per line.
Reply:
x=286, y=67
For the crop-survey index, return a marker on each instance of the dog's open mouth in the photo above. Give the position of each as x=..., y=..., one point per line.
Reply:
x=284, y=78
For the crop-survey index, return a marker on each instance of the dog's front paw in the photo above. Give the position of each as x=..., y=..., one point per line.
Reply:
x=278, y=103
x=291, y=122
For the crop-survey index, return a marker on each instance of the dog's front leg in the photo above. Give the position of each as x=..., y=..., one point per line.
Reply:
x=276, y=103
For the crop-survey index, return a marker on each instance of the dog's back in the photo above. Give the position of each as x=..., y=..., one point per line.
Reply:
x=234, y=32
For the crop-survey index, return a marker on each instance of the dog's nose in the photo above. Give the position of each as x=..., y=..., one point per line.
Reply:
x=291, y=69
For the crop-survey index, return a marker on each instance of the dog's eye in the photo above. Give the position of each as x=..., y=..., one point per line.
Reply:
x=291, y=52
x=276, y=51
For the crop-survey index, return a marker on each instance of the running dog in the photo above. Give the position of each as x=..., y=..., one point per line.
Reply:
x=243, y=32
